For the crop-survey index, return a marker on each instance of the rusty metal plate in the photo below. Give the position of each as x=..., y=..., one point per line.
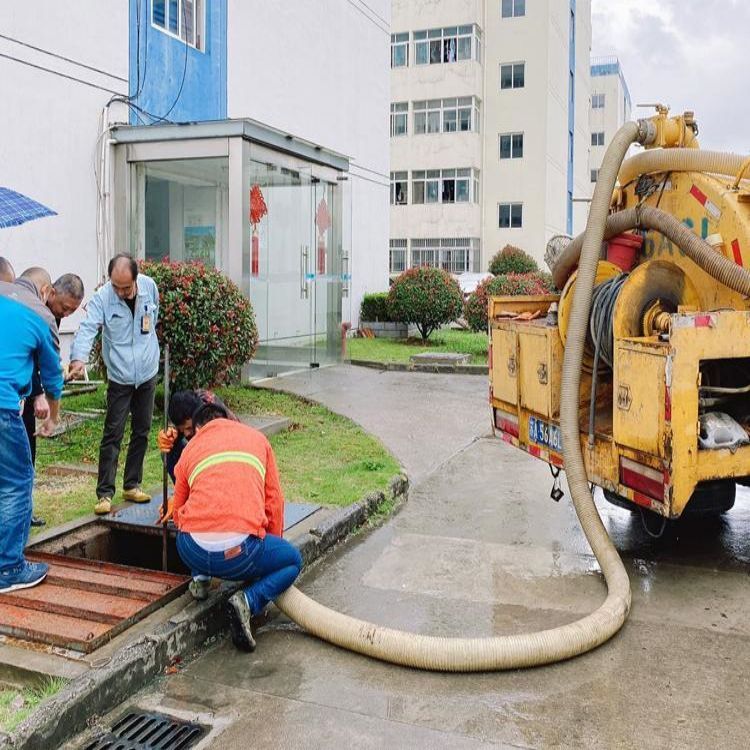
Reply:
x=84, y=603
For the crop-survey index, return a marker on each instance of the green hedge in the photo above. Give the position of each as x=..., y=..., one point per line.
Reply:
x=374, y=308
x=512, y=259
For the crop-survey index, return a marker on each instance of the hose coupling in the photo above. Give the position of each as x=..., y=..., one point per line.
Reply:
x=646, y=131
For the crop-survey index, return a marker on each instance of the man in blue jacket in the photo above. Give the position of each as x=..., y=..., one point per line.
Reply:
x=126, y=310
x=29, y=334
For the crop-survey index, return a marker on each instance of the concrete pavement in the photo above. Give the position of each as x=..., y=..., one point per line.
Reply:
x=480, y=549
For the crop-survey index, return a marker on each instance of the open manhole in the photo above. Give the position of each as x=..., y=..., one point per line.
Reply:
x=143, y=730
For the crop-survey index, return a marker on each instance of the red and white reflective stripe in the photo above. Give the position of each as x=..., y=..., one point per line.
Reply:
x=703, y=321
x=506, y=422
x=702, y=198
x=642, y=478
x=535, y=450
x=736, y=252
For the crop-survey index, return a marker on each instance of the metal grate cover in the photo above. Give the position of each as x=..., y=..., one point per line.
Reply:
x=142, y=730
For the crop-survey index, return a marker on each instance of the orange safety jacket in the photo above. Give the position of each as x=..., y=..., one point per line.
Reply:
x=226, y=481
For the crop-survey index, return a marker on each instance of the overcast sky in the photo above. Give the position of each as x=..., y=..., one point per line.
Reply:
x=689, y=54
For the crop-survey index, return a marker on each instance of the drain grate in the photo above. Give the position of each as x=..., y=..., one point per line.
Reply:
x=141, y=730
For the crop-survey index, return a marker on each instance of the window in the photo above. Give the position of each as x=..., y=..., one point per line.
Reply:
x=453, y=254
x=448, y=45
x=594, y=175
x=597, y=101
x=400, y=50
x=399, y=188
x=445, y=186
x=513, y=8
x=184, y=19
x=512, y=75
x=399, y=118
x=597, y=139
x=459, y=115
x=511, y=146
x=397, y=256
x=511, y=215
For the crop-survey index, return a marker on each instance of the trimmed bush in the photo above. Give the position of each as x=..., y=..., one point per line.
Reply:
x=426, y=297
x=512, y=284
x=512, y=259
x=374, y=307
x=207, y=322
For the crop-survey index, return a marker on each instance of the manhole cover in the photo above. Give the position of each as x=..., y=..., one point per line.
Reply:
x=140, y=730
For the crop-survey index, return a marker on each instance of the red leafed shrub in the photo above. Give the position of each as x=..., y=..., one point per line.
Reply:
x=426, y=297
x=511, y=284
x=207, y=322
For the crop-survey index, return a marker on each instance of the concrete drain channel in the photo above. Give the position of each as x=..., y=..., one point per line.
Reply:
x=142, y=730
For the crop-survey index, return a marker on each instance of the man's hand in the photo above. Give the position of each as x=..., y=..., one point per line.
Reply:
x=165, y=518
x=41, y=407
x=48, y=427
x=165, y=439
x=77, y=370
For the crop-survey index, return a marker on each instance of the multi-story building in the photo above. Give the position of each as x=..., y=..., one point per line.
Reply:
x=147, y=124
x=489, y=127
x=610, y=108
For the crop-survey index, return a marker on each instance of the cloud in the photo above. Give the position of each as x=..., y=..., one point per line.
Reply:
x=685, y=53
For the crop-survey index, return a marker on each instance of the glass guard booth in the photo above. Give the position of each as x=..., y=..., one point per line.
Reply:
x=269, y=210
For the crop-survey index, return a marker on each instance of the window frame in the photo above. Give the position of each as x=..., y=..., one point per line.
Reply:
x=594, y=175
x=597, y=138
x=597, y=98
x=447, y=45
x=199, y=23
x=513, y=146
x=399, y=178
x=453, y=254
x=400, y=247
x=511, y=207
x=397, y=41
x=426, y=110
x=399, y=110
x=513, y=75
x=514, y=6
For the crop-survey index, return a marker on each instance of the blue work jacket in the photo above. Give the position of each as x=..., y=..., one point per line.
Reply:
x=131, y=357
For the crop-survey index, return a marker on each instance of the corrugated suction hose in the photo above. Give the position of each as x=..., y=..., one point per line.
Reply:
x=545, y=646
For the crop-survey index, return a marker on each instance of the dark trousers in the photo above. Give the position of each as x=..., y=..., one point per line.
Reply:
x=121, y=401
x=29, y=422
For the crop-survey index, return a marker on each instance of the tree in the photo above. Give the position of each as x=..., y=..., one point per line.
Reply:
x=426, y=297
x=512, y=259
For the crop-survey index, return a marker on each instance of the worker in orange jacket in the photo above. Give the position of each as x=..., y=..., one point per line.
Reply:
x=229, y=509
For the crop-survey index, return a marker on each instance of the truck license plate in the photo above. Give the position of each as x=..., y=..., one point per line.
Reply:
x=545, y=434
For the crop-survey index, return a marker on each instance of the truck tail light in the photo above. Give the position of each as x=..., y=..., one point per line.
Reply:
x=506, y=422
x=642, y=478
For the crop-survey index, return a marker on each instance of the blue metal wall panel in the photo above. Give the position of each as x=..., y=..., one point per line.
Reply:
x=171, y=79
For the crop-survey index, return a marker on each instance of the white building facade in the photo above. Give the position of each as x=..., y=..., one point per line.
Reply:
x=610, y=107
x=90, y=133
x=489, y=128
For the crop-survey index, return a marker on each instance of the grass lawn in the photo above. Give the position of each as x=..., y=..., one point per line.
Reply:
x=444, y=340
x=16, y=705
x=323, y=458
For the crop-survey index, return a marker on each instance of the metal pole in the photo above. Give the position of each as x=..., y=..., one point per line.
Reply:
x=165, y=473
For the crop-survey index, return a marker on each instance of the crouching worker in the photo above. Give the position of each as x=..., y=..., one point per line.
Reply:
x=229, y=510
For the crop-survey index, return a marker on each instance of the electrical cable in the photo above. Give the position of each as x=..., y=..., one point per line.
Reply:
x=182, y=83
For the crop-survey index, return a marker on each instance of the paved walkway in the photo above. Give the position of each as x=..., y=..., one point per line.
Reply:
x=480, y=549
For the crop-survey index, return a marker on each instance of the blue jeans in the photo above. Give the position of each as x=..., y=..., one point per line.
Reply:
x=271, y=563
x=16, y=486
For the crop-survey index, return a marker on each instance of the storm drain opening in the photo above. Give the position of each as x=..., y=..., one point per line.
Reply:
x=144, y=730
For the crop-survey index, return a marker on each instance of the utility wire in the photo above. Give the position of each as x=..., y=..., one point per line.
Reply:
x=182, y=83
x=62, y=57
x=61, y=75
x=369, y=18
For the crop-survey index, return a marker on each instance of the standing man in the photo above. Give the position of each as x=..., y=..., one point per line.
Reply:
x=125, y=309
x=64, y=297
x=29, y=332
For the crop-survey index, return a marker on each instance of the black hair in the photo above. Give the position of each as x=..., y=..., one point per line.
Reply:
x=207, y=413
x=132, y=264
x=183, y=405
x=70, y=285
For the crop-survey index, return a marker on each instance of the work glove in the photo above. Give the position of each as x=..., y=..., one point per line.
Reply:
x=165, y=439
x=165, y=517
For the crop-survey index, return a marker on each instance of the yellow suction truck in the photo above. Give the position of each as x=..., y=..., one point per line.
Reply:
x=664, y=408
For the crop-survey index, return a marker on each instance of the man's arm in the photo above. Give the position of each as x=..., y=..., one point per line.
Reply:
x=50, y=372
x=84, y=338
x=274, y=495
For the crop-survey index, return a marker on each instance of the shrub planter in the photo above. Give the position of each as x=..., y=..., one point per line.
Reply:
x=390, y=330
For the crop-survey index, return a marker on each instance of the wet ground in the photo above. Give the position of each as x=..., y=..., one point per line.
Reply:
x=480, y=549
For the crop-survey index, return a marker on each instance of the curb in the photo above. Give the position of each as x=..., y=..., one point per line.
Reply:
x=102, y=688
x=411, y=367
